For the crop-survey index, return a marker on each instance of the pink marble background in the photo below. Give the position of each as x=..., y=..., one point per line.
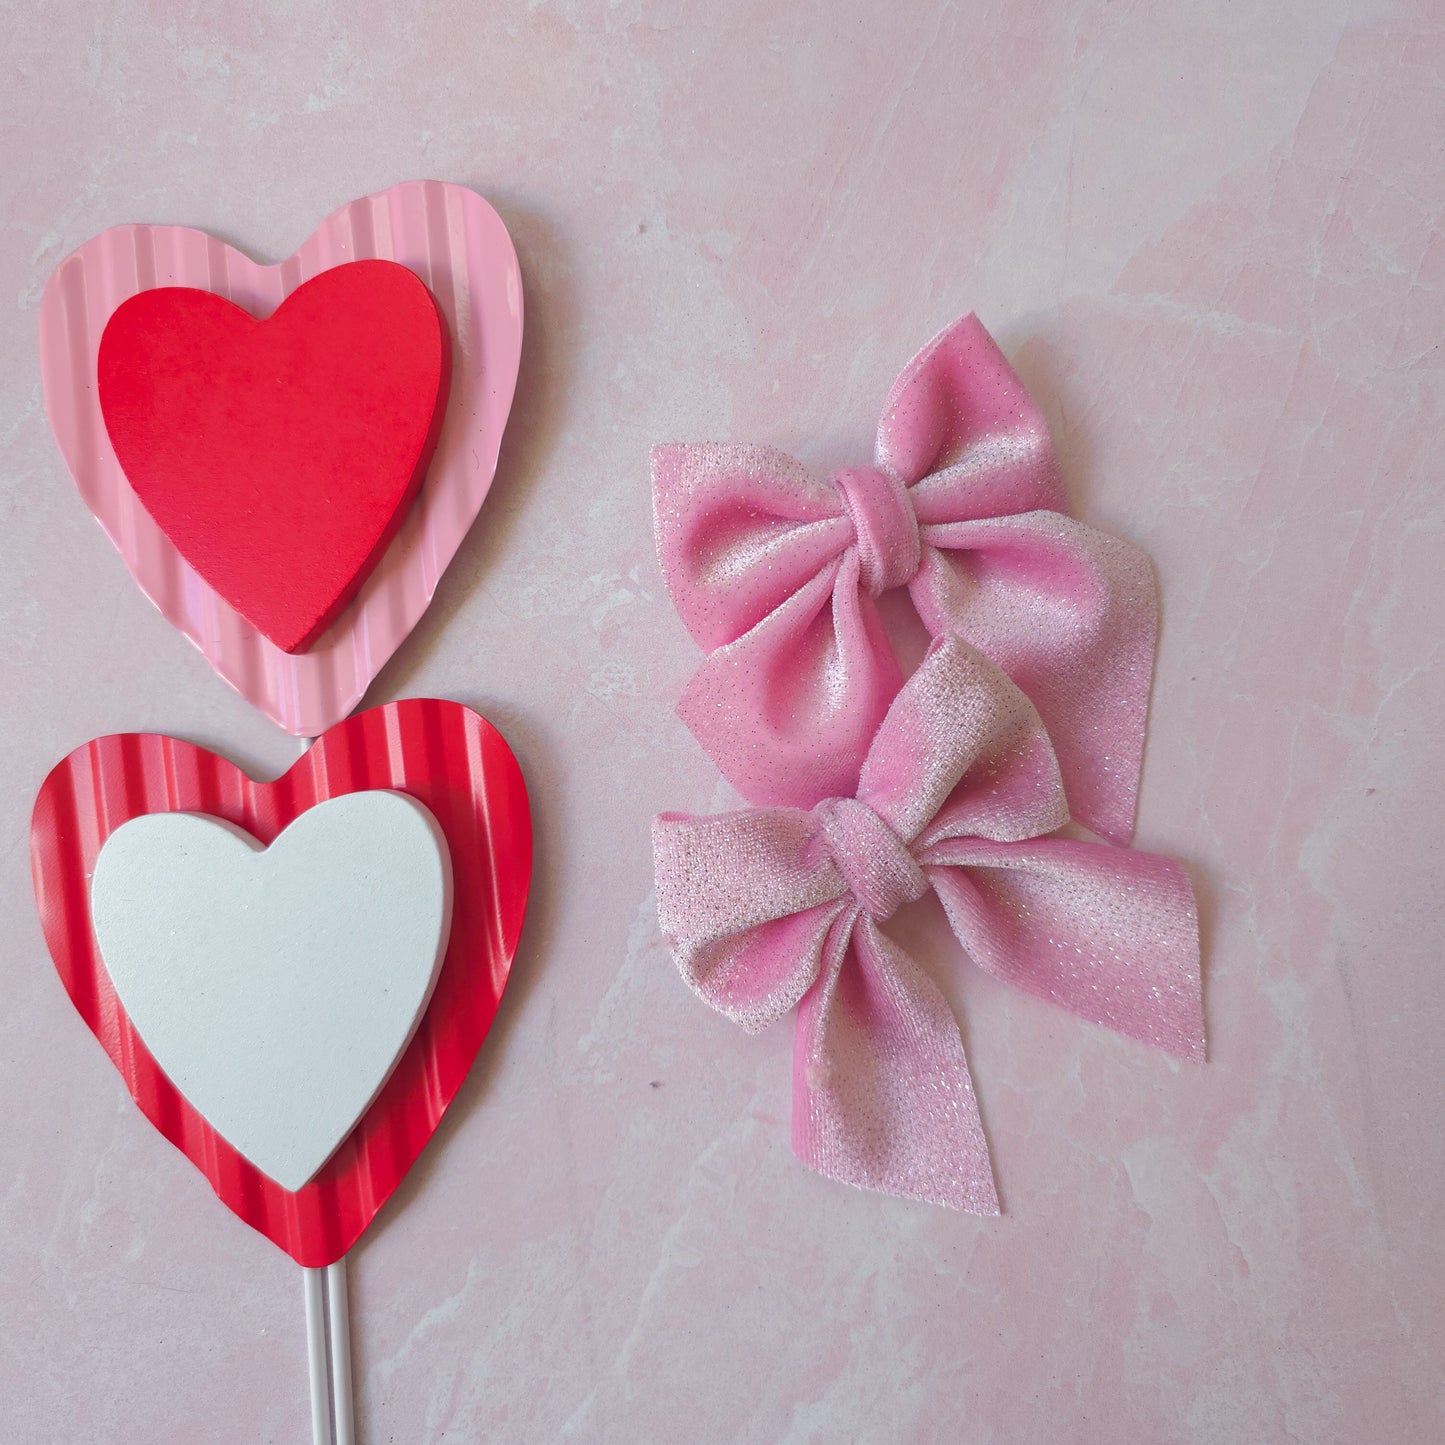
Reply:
x=1210, y=234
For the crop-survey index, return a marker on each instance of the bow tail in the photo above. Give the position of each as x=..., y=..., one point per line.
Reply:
x=788, y=710
x=882, y=1097
x=1108, y=933
x=1070, y=614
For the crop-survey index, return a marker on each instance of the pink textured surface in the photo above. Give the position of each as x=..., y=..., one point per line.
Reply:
x=1210, y=238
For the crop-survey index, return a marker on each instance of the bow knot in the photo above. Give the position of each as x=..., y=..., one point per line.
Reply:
x=885, y=524
x=875, y=862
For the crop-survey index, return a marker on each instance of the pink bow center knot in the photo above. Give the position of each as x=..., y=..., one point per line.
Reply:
x=885, y=525
x=876, y=864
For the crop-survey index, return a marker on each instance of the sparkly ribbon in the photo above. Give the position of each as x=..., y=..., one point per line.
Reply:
x=776, y=572
x=769, y=908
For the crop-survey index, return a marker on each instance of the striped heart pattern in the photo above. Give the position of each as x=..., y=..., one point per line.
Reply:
x=457, y=245
x=440, y=754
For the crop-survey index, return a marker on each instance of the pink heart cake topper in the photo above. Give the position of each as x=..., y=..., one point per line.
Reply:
x=457, y=245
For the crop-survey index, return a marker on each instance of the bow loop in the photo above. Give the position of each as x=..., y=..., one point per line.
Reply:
x=963, y=751
x=961, y=430
x=884, y=524
x=746, y=901
x=740, y=529
x=874, y=861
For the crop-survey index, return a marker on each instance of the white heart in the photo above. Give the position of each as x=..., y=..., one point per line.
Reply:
x=277, y=987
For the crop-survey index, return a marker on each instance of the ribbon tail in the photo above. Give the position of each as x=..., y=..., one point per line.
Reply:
x=1070, y=614
x=788, y=710
x=882, y=1097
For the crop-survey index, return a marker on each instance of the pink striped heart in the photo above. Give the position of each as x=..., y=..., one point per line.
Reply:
x=459, y=247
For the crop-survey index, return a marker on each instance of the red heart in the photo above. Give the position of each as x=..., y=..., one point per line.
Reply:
x=440, y=753
x=279, y=455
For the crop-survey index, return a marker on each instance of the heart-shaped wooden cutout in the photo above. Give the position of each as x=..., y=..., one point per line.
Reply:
x=277, y=987
x=278, y=454
x=456, y=243
x=442, y=755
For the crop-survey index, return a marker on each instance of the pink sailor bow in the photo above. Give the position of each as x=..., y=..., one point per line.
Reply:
x=775, y=573
x=769, y=908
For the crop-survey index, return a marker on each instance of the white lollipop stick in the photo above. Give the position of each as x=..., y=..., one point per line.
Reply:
x=316, y=1356
x=340, y=1318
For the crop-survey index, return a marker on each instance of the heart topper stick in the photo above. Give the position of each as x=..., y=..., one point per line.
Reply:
x=277, y=987
x=323, y=1392
x=328, y=1317
x=437, y=755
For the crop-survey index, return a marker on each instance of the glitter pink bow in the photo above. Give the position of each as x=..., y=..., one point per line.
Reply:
x=772, y=907
x=775, y=572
